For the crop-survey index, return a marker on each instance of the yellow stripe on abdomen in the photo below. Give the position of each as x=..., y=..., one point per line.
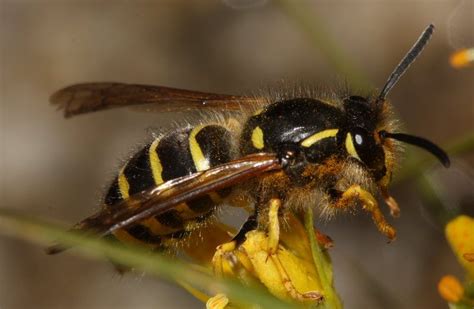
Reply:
x=200, y=161
x=155, y=163
x=124, y=186
x=154, y=225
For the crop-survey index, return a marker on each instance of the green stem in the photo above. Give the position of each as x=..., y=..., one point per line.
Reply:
x=323, y=264
x=36, y=231
x=433, y=203
x=307, y=20
x=414, y=169
x=462, y=145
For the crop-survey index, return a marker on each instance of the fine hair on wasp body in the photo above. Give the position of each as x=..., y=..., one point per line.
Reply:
x=332, y=153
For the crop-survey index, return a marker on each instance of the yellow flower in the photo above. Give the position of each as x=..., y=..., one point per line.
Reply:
x=450, y=289
x=288, y=274
x=280, y=259
x=460, y=235
x=462, y=58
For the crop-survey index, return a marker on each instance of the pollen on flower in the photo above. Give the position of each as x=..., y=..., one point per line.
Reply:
x=462, y=58
x=469, y=257
x=450, y=289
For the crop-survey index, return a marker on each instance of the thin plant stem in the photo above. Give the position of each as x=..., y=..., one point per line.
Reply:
x=37, y=231
x=307, y=20
x=323, y=264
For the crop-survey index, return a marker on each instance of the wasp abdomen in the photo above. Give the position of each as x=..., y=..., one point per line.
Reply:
x=177, y=153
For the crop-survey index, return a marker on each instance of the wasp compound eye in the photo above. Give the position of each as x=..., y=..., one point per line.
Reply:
x=362, y=146
x=359, y=140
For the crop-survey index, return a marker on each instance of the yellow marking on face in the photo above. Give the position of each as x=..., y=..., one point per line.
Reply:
x=350, y=147
x=257, y=138
x=155, y=163
x=124, y=187
x=313, y=139
x=200, y=161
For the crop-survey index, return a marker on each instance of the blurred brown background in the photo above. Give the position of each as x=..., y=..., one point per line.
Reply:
x=56, y=168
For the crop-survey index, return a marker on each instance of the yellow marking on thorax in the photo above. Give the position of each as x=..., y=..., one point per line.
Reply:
x=155, y=163
x=200, y=161
x=257, y=138
x=313, y=139
x=350, y=147
x=258, y=112
x=124, y=187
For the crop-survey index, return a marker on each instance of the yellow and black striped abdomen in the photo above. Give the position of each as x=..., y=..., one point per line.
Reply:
x=178, y=153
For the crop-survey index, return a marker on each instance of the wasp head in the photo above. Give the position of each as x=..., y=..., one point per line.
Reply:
x=368, y=132
x=361, y=137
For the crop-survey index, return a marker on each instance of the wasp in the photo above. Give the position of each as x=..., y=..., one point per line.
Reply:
x=270, y=154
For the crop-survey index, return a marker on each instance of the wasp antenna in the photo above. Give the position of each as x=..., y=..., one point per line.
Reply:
x=409, y=58
x=420, y=142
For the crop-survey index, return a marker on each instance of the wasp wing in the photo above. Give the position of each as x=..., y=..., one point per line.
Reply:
x=90, y=97
x=164, y=197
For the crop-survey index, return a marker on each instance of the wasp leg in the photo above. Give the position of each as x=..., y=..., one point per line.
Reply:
x=273, y=226
x=257, y=252
x=369, y=204
x=223, y=264
x=393, y=205
x=225, y=257
x=324, y=240
x=391, y=202
x=290, y=287
x=249, y=225
x=272, y=248
x=220, y=301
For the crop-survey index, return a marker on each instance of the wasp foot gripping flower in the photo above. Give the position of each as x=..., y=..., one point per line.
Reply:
x=460, y=235
x=278, y=259
x=289, y=260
